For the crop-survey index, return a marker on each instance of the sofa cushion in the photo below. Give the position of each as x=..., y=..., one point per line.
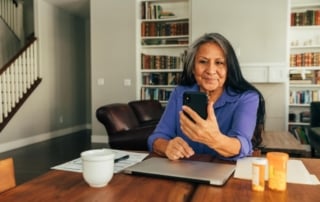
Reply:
x=135, y=139
x=117, y=117
x=147, y=111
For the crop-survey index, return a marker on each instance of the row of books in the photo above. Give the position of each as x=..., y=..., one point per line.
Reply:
x=163, y=78
x=305, y=59
x=305, y=77
x=160, y=62
x=164, y=28
x=169, y=41
x=302, y=117
x=161, y=94
x=304, y=96
x=301, y=133
x=154, y=11
x=306, y=18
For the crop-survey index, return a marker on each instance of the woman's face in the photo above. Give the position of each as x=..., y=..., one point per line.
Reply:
x=210, y=70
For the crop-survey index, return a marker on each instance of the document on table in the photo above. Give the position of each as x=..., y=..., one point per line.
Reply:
x=134, y=157
x=244, y=171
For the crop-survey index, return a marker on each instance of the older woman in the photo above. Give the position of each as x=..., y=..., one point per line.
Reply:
x=234, y=106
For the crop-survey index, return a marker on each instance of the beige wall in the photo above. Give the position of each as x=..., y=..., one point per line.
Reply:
x=76, y=54
x=112, y=56
x=258, y=31
x=260, y=40
x=63, y=93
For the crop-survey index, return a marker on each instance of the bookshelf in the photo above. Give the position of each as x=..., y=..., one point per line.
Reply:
x=304, y=70
x=162, y=40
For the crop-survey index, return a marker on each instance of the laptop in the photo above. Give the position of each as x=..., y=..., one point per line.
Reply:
x=195, y=171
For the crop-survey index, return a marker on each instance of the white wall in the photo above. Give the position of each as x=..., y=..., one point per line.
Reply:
x=28, y=17
x=256, y=27
x=68, y=81
x=9, y=44
x=257, y=30
x=63, y=93
x=112, y=56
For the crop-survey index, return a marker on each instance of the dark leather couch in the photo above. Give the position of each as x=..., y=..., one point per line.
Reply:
x=129, y=125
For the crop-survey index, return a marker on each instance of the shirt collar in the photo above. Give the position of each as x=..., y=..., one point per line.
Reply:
x=227, y=96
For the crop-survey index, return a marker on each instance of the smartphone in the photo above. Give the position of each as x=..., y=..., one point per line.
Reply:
x=197, y=101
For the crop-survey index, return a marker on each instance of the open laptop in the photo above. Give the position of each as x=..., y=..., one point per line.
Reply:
x=187, y=170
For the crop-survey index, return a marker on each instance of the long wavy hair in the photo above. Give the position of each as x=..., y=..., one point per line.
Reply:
x=234, y=80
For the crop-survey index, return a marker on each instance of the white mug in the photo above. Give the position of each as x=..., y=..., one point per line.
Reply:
x=97, y=167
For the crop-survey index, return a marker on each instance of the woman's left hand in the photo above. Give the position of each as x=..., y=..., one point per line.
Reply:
x=205, y=131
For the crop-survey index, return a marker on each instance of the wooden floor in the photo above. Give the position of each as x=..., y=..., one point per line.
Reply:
x=36, y=159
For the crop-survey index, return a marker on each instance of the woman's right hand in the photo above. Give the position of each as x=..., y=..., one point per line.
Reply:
x=177, y=148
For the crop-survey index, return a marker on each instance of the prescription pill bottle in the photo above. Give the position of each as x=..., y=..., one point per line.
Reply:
x=277, y=170
x=258, y=173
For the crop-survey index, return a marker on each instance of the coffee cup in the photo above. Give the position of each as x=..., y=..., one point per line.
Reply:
x=97, y=167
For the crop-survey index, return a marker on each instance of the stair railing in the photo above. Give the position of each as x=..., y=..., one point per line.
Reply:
x=18, y=78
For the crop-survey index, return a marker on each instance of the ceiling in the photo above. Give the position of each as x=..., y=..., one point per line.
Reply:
x=80, y=8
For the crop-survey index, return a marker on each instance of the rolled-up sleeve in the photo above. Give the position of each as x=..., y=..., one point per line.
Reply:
x=244, y=122
x=166, y=128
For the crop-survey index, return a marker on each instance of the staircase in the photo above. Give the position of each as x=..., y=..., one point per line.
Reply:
x=20, y=76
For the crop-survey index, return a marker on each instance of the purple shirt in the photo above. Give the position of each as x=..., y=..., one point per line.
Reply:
x=236, y=115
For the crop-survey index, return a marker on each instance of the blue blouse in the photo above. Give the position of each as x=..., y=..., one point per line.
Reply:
x=236, y=115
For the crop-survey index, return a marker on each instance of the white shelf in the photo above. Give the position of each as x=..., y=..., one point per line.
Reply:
x=173, y=19
x=162, y=1
x=305, y=47
x=305, y=27
x=299, y=124
x=303, y=39
x=160, y=70
x=305, y=68
x=304, y=86
x=299, y=105
x=165, y=37
x=166, y=46
x=304, y=5
x=158, y=86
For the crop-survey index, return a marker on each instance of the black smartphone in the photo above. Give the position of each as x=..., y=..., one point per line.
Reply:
x=197, y=101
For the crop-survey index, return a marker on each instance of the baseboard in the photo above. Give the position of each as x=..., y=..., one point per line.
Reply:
x=41, y=137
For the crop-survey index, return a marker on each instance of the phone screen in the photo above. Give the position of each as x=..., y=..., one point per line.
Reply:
x=197, y=101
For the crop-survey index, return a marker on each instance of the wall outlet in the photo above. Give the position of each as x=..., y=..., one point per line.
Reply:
x=61, y=119
x=100, y=81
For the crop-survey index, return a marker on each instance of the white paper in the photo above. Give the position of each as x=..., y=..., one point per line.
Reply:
x=134, y=157
x=296, y=171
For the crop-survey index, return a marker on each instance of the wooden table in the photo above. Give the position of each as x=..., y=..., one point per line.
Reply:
x=240, y=190
x=283, y=141
x=69, y=186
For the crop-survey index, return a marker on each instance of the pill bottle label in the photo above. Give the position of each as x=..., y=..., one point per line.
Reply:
x=258, y=171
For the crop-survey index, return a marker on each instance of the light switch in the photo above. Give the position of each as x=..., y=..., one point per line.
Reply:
x=127, y=82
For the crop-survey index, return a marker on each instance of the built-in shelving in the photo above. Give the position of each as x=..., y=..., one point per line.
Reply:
x=162, y=39
x=304, y=70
